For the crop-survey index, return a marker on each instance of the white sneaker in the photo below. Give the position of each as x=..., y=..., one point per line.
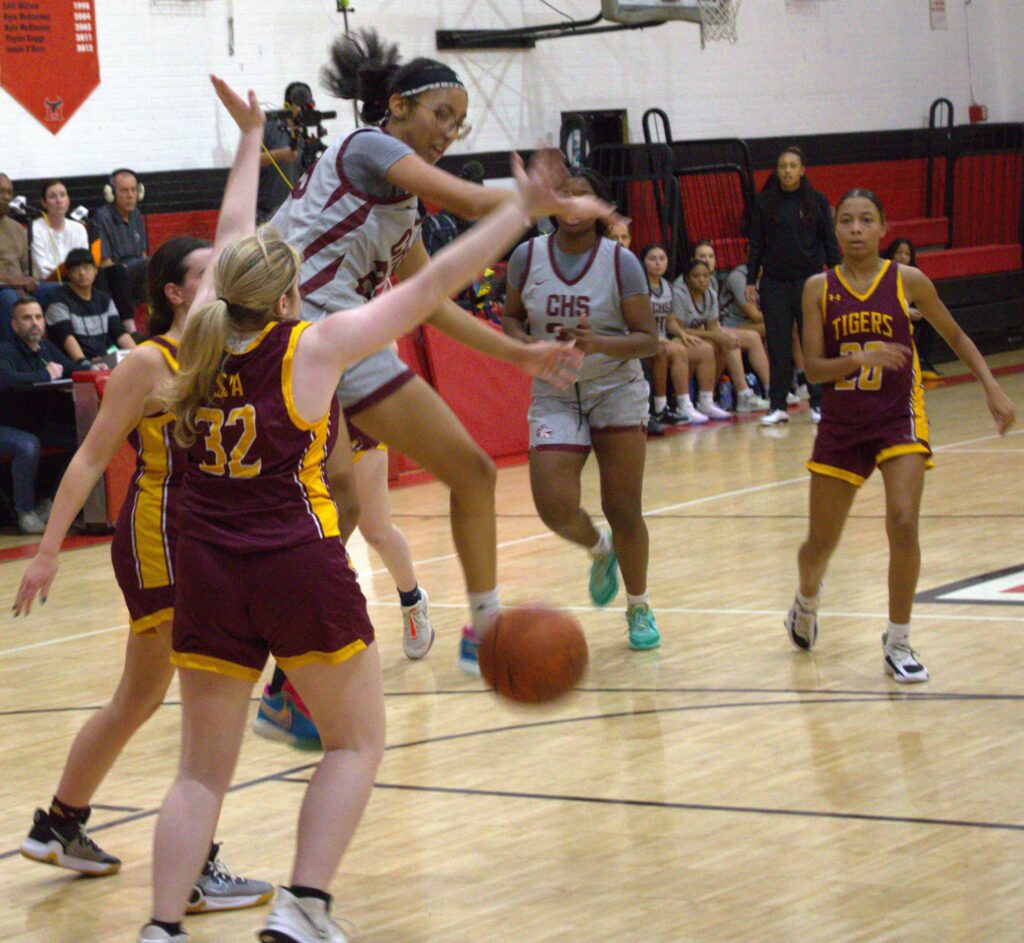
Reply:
x=752, y=404
x=815, y=415
x=901, y=662
x=802, y=626
x=300, y=920
x=153, y=934
x=695, y=416
x=417, y=632
x=775, y=417
x=802, y=392
x=31, y=523
x=792, y=399
x=713, y=411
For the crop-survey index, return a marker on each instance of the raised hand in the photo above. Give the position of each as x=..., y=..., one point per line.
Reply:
x=539, y=189
x=247, y=114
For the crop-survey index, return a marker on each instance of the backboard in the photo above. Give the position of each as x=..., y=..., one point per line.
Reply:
x=650, y=11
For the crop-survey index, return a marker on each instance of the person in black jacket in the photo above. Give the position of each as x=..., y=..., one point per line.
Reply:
x=792, y=237
x=27, y=423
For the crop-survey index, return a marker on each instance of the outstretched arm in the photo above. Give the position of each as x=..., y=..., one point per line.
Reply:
x=922, y=293
x=238, y=208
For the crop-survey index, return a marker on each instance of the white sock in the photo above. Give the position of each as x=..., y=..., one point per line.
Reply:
x=603, y=546
x=706, y=397
x=895, y=632
x=747, y=393
x=660, y=403
x=810, y=603
x=638, y=600
x=684, y=401
x=483, y=610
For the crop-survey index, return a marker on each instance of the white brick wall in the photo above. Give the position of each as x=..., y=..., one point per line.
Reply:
x=845, y=65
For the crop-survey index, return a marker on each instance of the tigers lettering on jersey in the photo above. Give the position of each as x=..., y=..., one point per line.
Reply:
x=863, y=322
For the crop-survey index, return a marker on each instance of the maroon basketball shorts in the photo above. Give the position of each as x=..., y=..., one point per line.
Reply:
x=852, y=454
x=147, y=607
x=301, y=604
x=361, y=442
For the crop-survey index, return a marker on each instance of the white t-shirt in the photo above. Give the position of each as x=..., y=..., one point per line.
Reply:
x=50, y=247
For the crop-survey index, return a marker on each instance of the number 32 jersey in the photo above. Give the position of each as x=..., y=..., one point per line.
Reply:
x=855, y=322
x=256, y=477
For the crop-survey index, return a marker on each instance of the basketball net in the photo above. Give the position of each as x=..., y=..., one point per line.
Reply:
x=718, y=20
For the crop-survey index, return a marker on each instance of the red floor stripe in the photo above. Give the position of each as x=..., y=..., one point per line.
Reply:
x=25, y=551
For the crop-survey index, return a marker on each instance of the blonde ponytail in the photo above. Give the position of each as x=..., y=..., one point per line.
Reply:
x=250, y=277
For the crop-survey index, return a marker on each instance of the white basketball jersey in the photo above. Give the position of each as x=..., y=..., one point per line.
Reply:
x=661, y=305
x=350, y=242
x=552, y=302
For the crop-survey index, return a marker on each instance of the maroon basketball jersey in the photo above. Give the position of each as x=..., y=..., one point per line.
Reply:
x=855, y=322
x=256, y=473
x=150, y=509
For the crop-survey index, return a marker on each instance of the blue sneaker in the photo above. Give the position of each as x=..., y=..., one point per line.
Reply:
x=280, y=718
x=643, y=630
x=468, y=646
x=604, y=579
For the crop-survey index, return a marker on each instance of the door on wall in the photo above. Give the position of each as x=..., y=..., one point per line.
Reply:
x=584, y=130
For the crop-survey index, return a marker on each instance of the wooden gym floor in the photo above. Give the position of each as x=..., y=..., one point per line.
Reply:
x=725, y=787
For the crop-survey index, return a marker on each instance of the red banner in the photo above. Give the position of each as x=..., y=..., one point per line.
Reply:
x=48, y=57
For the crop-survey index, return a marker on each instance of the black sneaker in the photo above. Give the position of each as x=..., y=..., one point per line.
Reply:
x=67, y=845
x=669, y=417
x=654, y=427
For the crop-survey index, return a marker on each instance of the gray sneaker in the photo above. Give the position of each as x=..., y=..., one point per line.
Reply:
x=218, y=889
x=152, y=934
x=417, y=632
x=31, y=523
x=67, y=845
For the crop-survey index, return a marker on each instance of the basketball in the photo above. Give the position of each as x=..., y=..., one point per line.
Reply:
x=533, y=654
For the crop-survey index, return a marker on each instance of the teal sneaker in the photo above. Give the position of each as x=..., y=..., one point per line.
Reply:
x=643, y=630
x=604, y=579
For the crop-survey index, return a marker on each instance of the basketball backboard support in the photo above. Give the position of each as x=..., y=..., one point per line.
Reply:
x=650, y=11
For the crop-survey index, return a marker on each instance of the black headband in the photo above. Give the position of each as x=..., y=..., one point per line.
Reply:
x=423, y=80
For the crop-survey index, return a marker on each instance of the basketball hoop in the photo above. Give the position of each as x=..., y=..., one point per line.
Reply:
x=718, y=20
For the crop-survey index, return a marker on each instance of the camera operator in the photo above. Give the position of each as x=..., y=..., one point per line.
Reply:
x=292, y=137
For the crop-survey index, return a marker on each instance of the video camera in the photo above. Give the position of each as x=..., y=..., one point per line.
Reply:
x=308, y=143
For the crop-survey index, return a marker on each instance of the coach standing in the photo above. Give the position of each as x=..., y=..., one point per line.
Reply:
x=792, y=237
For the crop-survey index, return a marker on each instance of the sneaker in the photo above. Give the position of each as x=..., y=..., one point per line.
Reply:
x=815, y=415
x=802, y=626
x=153, y=934
x=792, y=399
x=280, y=718
x=417, y=632
x=775, y=417
x=468, y=645
x=752, y=404
x=300, y=920
x=669, y=417
x=604, y=578
x=694, y=416
x=901, y=662
x=802, y=392
x=654, y=427
x=31, y=523
x=67, y=845
x=643, y=630
x=714, y=412
x=43, y=509
x=218, y=889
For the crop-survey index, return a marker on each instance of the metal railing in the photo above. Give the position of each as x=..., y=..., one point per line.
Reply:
x=939, y=146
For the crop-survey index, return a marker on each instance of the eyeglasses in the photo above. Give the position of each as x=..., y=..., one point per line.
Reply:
x=448, y=122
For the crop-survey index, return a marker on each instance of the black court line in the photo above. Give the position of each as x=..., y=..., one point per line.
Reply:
x=284, y=775
x=116, y=808
x=656, y=515
x=708, y=807
x=936, y=595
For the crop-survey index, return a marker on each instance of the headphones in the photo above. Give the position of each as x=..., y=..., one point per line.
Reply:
x=294, y=87
x=108, y=187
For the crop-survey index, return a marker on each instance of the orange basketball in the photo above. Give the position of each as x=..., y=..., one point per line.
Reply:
x=533, y=654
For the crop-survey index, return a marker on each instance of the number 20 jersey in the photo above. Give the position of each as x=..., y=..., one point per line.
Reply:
x=256, y=477
x=854, y=322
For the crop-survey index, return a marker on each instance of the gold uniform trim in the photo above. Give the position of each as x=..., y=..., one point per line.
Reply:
x=172, y=361
x=325, y=658
x=217, y=665
x=911, y=448
x=874, y=284
x=832, y=472
x=147, y=624
x=153, y=566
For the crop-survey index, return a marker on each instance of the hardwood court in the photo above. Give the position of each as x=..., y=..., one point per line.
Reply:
x=723, y=788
